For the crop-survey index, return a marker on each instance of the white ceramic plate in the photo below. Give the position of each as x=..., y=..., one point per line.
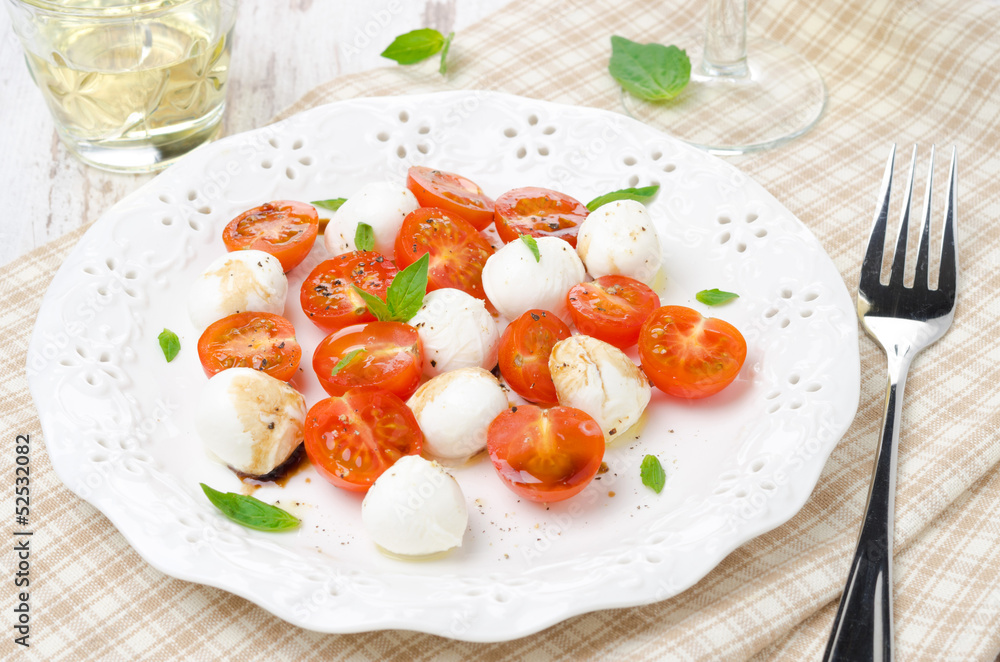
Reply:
x=117, y=418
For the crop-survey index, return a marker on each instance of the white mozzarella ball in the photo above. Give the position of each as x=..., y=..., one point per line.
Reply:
x=515, y=281
x=235, y=283
x=456, y=331
x=381, y=205
x=455, y=409
x=249, y=420
x=415, y=508
x=619, y=238
x=598, y=378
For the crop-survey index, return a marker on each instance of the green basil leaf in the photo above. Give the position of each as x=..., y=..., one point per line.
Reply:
x=407, y=289
x=414, y=46
x=170, y=344
x=377, y=307
x=342, y=363
x=715, y=297
x=652, y=473
x=333, y=204
x=649, y=71
x=250, y=512
x=443, y=67
x=364, y=237
x=532, y=245
x=643, y=195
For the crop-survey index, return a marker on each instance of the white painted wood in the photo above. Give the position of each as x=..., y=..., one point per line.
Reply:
x=281, y=50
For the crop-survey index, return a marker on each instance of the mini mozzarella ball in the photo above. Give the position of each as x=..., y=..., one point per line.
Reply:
x=249, y=420
x=455, y=409
x=381, y=205
x=235, y=283
x=415, y=508
x=456, y=331
x=516, y=282
x=619, y=238
x=598, y=378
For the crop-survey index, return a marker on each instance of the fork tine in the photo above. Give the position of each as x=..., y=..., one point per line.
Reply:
x=871, y=266
x=899, y=256
x=921, y=279
x=947, y=280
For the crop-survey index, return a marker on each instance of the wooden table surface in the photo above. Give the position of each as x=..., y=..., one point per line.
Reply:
x=280, y=51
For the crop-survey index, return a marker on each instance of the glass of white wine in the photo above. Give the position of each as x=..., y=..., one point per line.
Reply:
x=744, y=95
x=131, y=85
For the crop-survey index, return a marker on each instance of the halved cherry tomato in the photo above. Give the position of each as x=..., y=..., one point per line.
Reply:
x=612, y=308
x=687, y=355
x=328, y=298
x=524, y=355
x=389, y=356
x=354, y=438
x=539, y=212
x=454, y=193
x=284, y=228
x=261, y=341
x=457, y=251
x=545, y=455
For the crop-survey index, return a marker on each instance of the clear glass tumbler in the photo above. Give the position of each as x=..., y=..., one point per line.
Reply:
x=131, y=85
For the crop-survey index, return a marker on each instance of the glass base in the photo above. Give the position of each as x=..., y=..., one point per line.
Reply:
x=149, y=153
x=780, y=97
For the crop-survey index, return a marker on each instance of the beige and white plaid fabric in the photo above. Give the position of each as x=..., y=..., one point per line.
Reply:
x=897, y=71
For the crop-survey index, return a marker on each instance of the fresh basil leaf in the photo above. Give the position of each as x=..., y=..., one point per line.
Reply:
x=715, y=297
x=364, y=237
x=333, y=204
x=170, y=344
x=414, y=46
x=532, y=245
x=407, y=289
x=643, y=195
x=652, y=473
x=342, y=363
x=377, y=307
x=649, y=71
x=250, y=512
x=443, y=67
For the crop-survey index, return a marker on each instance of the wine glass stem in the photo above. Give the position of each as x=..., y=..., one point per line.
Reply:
x=725, y=39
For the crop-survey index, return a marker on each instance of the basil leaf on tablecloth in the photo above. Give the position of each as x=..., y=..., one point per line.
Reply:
x=715, y=297
x=415, y=46
x=333, y=204
x=532, y=245
x=643, y=194
x=250, y=512
x=170, y=344
x=443, y=67
x=649, y=71
x=652, y=473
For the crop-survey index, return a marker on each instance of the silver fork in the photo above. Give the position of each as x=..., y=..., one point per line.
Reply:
x=902, y=320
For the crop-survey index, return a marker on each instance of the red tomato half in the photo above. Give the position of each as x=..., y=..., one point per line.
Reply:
x=524, y=352
x=539, y=212
x=612, y=308
x=687, y=355
x=353, y=438
x=457, y=251
x=545, y=455
x=284, y=228
x=328, y=298
x=261, y=341
x=389, y=357
x=454, y=193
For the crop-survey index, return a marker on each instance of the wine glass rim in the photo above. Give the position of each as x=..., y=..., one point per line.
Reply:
x=121, y=9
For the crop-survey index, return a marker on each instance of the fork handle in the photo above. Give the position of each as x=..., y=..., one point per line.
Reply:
x=862, y=629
